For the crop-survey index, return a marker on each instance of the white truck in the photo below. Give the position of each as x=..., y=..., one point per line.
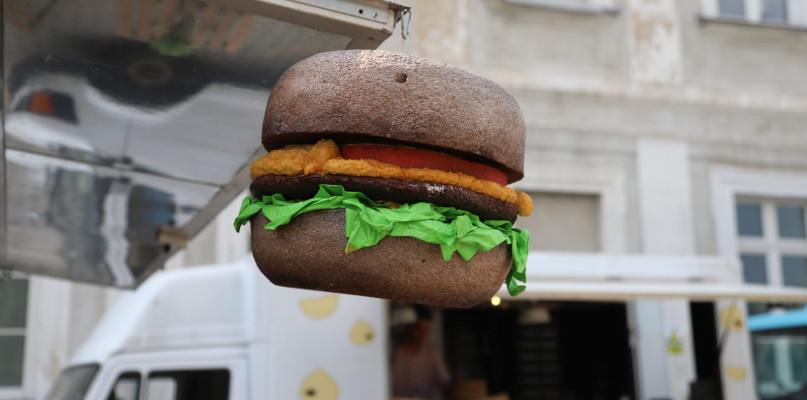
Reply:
x=225, y=332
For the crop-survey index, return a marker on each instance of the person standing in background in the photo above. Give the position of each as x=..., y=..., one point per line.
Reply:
x=418, y=370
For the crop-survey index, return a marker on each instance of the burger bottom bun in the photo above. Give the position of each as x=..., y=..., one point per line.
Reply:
x=309, y=253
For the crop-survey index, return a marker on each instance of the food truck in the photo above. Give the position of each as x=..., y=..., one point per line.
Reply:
x=225, y=332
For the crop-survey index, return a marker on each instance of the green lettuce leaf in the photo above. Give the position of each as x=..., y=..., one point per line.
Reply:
x=367, y=222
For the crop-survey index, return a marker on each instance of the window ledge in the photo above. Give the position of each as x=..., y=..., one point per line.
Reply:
x=578, y=8
x=744, y=22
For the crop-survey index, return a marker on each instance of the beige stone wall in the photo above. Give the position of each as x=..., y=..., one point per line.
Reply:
x=591, y=85
x=738, y=57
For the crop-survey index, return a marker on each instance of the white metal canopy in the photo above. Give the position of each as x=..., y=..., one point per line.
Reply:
x=597, y=277
x=128, y=125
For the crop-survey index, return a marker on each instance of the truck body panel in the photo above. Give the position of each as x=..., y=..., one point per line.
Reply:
x=228, y=323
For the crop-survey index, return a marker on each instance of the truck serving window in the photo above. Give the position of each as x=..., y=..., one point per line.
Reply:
x=73, y=383
x=189, y=385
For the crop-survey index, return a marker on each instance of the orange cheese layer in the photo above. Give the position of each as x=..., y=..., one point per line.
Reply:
x=324, y=157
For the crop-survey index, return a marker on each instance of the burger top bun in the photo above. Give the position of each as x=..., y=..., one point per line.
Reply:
x=373, y=95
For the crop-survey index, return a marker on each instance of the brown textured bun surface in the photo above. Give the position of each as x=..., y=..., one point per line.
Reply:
x=309, y=253
x=372, y=95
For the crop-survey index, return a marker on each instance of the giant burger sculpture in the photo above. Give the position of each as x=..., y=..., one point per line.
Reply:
x=386, y=176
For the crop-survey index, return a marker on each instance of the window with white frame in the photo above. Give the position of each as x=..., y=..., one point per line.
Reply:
x=783, y=12
x=772, y=241
x=13, y=309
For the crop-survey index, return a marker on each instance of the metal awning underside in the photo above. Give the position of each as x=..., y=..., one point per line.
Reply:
x=125, y=119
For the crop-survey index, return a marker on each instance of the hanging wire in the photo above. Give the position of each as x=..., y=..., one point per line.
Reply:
x=405, y=18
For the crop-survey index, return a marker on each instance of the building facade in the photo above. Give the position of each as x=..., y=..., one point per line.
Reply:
x=655, y=129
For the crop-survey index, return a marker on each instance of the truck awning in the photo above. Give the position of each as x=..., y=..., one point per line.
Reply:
x=599, y=277
x=128, y=125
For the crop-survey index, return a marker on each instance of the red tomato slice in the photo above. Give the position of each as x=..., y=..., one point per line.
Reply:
x=413, y=158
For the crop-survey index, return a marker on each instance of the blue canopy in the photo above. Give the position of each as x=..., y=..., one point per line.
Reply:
x=783, y=320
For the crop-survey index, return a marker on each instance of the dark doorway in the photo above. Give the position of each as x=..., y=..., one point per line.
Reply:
x=707, y=353
x=558, y=350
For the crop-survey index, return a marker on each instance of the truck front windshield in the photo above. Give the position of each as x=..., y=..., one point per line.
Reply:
x=780, y=361
x=73, y=383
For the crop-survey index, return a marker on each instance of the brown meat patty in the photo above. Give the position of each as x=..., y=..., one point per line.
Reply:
x=383, y=189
